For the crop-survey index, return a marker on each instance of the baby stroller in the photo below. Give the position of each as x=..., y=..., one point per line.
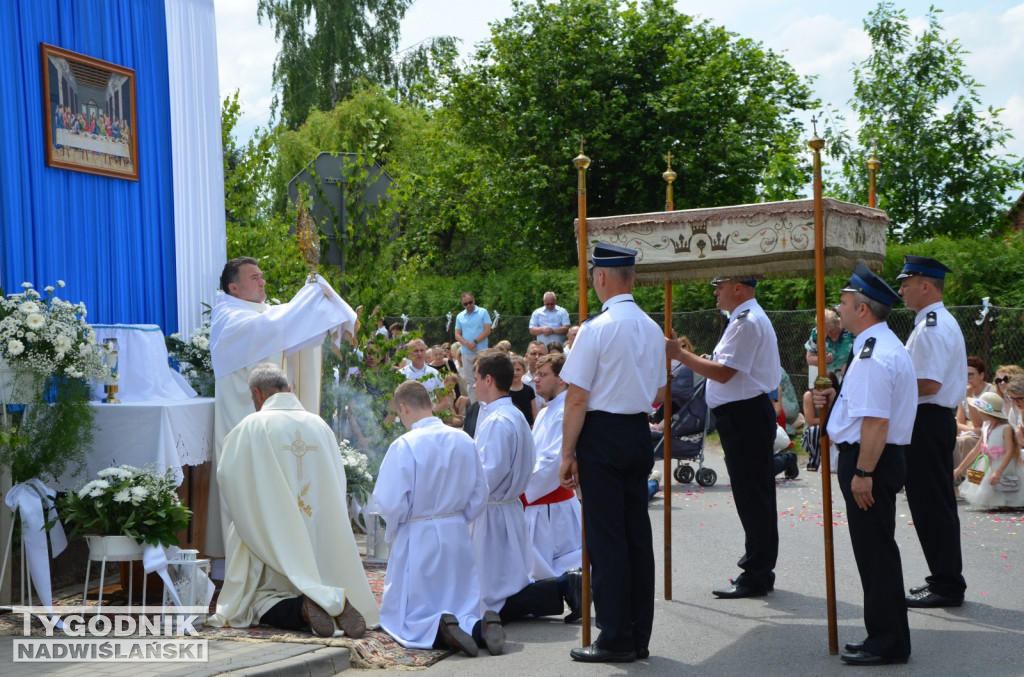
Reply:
x=691, y=422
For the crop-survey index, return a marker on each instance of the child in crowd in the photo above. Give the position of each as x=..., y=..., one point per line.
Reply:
x=523, y=396
x=1001, y=486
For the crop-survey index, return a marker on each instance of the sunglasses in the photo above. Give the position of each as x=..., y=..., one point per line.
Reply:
x=468, y=303
x=1002, y=379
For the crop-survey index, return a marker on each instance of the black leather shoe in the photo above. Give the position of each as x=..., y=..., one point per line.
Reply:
x=738, y=592
x=926, y=599
x=455, y=637
x=865, y=658
x=641, y=654
x=595, y=654
x=570, y=585
x=855, y=648
x=792, y=470
x=494, y=634
x=919, y=588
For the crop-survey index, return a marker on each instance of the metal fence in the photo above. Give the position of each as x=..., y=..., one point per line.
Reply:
x=996, y=336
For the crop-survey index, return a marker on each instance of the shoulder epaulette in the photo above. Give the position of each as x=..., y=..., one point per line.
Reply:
x=931, y=319
x=592, y=317
x=869, y=347
x=743, y=314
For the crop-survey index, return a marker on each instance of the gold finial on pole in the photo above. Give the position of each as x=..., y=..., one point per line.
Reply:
x=874, y=164
x=670, y=177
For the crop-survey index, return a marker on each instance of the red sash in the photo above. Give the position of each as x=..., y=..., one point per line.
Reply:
x=557, y=496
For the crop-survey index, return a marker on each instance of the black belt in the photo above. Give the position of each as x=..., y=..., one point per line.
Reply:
x=597, y=413
x=855, y=446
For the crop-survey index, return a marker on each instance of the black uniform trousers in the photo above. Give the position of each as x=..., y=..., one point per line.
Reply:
x=873, y=535
x=286, y=614
x=746, y=429
x=932, y=499
x=540, y=598
x=615, y=457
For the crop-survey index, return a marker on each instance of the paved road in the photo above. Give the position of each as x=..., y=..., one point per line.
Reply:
x=785, y=633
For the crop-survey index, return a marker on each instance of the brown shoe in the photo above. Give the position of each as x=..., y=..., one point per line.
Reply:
x=351, y=621
x=320, y=622
x=455, y=637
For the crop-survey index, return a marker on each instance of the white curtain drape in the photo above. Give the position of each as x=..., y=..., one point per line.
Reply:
x=199, y=231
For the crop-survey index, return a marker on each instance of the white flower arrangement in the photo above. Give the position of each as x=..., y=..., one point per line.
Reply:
x=48, y=336
x=193, y=357
x=357, y=470
x=127, y=501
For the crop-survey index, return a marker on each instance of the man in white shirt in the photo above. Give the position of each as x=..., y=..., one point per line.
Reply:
x=292, y=558
x=872, y=423
x=418, y=369
x=430, y=487
x=615, y=373
x=245, y=331
x=936, y=345
x=552, y=511
x=744, y=368
x=550, y=322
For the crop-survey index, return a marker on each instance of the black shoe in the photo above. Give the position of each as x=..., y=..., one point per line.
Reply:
x=792, y=470
x=494, y=634
x=926, y=599
x=739, y=592
x=455, y=637
x=641, y=654
x=865, y=658
x=919, y=588
x=855, y=647
x=570, y=586
x=595, y=654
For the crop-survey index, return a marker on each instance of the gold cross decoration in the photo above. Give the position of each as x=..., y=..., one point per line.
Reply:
x=299, y=448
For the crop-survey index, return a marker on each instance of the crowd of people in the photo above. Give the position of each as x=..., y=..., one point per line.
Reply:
x=505, y=455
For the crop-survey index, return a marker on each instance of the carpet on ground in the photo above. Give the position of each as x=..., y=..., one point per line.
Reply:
x=376, y=649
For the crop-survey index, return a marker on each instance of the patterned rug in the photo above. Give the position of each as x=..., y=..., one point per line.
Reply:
x=376, y=649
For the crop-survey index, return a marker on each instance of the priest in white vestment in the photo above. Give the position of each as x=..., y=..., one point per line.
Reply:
x=430, y=487
x=553, y=519
x=505, y=447
x=292, y=559
x=244, y=331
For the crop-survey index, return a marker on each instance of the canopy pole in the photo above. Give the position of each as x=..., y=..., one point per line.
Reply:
x=821, y=383
x=666, y=421
x=581, y=162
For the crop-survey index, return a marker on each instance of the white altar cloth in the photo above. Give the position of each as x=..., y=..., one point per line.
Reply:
x=161, y=433
x=144, y=375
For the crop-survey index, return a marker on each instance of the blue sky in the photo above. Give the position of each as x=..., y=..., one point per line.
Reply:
x=819, y=39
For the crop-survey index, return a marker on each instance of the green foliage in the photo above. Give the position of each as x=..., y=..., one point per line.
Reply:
x=329, y=46
x=637, y=80
x=920, y=113
x=52, y=435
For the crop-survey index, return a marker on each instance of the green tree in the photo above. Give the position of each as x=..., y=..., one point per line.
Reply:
x=637, y=80
x=941, y=171
x=329, y=46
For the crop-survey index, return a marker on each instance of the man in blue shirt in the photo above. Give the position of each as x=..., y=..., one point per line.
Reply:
x=550, y=322
x=472, y=327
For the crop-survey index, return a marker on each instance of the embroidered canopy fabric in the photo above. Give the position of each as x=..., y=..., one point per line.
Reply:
x=771, y=239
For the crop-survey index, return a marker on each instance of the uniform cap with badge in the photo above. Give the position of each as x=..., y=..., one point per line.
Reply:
x=921, y=265
x=749, y=281
x=872, y=286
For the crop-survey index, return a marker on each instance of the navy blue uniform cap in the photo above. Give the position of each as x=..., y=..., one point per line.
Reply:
x=872, y=286
x=611, y=256
x=920, y=265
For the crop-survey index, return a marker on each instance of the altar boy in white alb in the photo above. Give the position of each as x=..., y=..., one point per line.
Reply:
x=245, y=331
x=552, y=511
x=292, y=559
x=430, y=487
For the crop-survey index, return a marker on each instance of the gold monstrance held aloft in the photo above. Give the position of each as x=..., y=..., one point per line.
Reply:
x=309, y=238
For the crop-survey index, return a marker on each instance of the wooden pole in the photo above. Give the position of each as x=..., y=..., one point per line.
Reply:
x=821, y=383
x=581, y=162
x=670, y=177
x=873, y=165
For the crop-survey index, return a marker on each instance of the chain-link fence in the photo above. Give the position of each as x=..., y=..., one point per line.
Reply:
x=996, y=336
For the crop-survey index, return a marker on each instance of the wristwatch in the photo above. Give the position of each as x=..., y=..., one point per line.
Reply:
x=860, y=472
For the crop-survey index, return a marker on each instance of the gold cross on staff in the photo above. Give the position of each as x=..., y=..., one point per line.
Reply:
x=668, y=159
x=299, y=448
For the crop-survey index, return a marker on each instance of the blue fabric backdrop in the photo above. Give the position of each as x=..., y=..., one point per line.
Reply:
x=110, y=240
